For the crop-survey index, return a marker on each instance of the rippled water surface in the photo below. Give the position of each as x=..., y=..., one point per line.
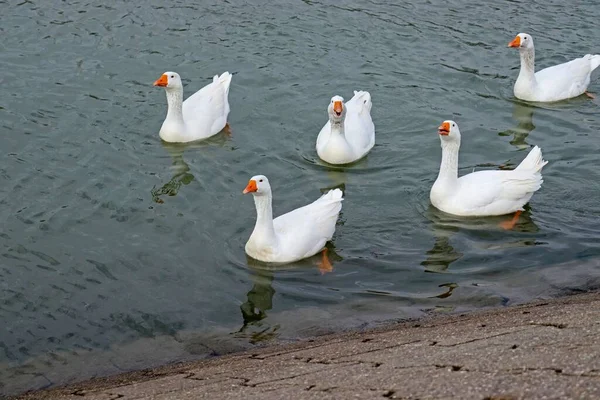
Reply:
x=121, y=252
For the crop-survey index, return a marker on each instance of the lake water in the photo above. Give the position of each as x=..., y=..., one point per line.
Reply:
x=121, y=252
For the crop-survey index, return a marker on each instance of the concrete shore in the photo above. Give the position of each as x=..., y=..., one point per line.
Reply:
x=543, y=350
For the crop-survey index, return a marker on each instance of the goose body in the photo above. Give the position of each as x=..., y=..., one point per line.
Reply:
x=559, y=82
x=299, y=234
x=201, y=115
x=483, y=193
x=350, y=133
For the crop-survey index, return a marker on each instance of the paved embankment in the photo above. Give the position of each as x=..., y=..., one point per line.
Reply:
x=543, y=350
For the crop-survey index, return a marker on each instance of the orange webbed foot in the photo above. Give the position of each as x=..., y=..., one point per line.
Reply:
x=508, y=225
x=324, y=265
x=227, y=129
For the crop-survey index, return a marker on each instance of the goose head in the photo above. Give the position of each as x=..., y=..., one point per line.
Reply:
x=169, y=80
x=258, y=185
x=449, y=132
x=522, y=41
x=336, y=109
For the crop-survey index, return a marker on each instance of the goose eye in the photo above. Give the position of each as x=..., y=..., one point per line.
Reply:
x=260, y=180
x=453, y=124
x=172, y=76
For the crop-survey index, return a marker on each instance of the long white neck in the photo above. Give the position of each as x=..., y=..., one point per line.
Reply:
x=527, y=64
x=175, y=102
x=337, y=127
x=449, y=167
x=264, y=218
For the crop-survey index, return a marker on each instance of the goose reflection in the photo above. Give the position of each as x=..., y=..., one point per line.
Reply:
x=449, y=288
x=180, y=169
x=338, y=177
x=259, y=298
x=523, y=114
x=338, y=174
x=442, y=254
x=445, y=226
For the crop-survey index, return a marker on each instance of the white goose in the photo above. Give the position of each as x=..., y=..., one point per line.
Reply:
x=201, y=115
x=559, y=82
x=350, y=133
x=483, y=193
x=299, y=234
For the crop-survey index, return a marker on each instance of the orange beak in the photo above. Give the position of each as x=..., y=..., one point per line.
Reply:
x=338, y=107
x=251, y=187
x=163, y=81
x=516, y=42
x=444, y=129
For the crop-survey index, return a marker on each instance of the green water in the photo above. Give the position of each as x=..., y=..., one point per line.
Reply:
x=122, y=252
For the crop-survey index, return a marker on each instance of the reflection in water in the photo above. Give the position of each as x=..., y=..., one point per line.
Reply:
x=442, y=254
x=523, y=114
x=260, y=298
x=450, y=287
x=338, y=178
x=454, y=223
x=444, y=226
x=337, y=174
x=181, y=173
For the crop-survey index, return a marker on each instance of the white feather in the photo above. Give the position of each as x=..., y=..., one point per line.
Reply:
x=354, y=138
x=201, y=115
x=298, y=234
x=484, y=193
x=559, y=82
